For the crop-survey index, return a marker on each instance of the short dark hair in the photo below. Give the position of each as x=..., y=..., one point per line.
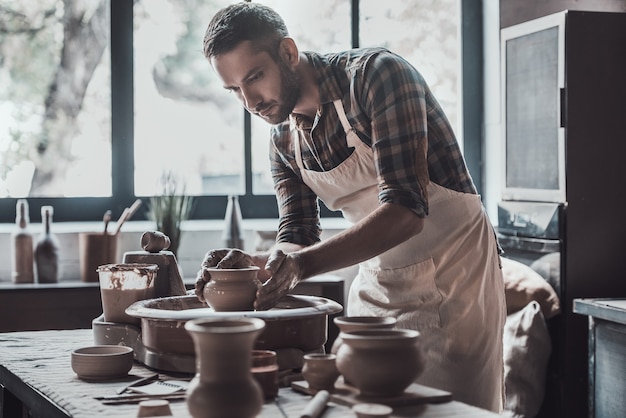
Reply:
x=240, y=22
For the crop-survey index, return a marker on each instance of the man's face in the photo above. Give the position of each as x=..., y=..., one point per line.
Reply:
x=267, y=88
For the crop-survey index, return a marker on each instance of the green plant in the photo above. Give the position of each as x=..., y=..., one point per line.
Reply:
x=170, y=208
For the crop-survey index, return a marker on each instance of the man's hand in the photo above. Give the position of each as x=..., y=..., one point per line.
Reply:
x=286, y=273
x=221, y=258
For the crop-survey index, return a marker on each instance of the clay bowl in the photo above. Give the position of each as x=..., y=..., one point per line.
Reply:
x=102, y=362
x=355, y=323
x=231, y=290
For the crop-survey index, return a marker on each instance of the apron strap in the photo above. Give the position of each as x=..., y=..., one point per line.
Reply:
x=351, y=136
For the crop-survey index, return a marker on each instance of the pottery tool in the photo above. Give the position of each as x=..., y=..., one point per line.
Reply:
x=316, y=405
x=106, y=219
x=136, y=398
x=127, y=213
x=137, y=382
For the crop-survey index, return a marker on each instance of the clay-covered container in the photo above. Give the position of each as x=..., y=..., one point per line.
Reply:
x=381, y=362
x=231, y=289
x=355, y=323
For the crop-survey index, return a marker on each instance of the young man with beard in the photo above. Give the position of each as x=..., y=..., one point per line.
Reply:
x=361, y=131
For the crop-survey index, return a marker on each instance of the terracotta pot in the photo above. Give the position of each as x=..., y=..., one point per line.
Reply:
x=380, y=362
x=355, y=323
x=265, y=371
x=223, y=385
x=232, y=289
x=320, y=371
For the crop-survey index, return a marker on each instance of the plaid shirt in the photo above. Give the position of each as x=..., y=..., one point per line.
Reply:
x=392, y=110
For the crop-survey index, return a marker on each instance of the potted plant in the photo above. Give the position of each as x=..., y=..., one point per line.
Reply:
x=170, y=208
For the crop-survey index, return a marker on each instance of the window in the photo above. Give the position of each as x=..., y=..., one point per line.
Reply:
x=97, y=129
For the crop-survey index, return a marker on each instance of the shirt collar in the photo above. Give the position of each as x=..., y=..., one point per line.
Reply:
x=329, y=89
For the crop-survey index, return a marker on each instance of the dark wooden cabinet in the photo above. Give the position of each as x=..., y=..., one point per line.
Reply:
x=607, y=355
x=586, y=104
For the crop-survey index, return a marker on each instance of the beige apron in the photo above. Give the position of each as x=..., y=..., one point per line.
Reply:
x=436, y=282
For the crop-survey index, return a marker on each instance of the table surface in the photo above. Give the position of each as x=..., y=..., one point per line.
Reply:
x=36, y=368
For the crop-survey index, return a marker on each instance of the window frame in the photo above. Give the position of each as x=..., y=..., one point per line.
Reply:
x=78, y=209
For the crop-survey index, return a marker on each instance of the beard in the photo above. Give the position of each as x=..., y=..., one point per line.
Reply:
x=289, y=94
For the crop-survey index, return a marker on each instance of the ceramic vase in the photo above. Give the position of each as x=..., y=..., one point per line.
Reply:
x=223, y=385
x=381, y=362
x=231, y=289
x=320, y=371
x=355, y=323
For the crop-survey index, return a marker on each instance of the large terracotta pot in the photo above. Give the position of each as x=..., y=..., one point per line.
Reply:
x=223, y=385
x=232, y=289
x=382, y=362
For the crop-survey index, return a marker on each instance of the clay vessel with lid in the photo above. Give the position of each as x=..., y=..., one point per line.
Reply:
x=224, y=385
x=381, y=362
x=231, y=289
x=354, y=323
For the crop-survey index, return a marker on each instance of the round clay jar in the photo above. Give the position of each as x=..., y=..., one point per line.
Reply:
x=231, y=289
x=382, y=362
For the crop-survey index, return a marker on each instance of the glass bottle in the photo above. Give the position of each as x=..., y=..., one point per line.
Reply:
x=22, y=246
x=47, y=250
x=233, y=230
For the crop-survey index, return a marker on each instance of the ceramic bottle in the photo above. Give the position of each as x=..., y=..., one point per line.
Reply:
x=233, y=229
x=224, y=385
x=47, y=250
x=22, y=258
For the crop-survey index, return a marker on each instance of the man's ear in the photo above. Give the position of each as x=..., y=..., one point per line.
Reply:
x=288, y=52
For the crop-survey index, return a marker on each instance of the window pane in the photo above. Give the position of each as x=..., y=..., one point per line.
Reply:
x=55, y=114
x=320, y=26
x=426, y=33
x=186, y=123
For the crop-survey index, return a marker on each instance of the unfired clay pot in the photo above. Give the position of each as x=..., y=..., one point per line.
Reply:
x=382, y=362
x=232, y=289
x=355, y=323
x=320, y=371
x=223, y=385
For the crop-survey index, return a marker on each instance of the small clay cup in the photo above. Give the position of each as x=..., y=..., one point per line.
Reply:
x=320, y=371
x=265, y=371
x=231, y=289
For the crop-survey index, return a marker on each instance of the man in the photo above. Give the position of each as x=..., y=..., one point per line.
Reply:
x=361, y=131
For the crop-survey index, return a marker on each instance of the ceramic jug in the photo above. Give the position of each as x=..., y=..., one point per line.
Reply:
x=223, y=385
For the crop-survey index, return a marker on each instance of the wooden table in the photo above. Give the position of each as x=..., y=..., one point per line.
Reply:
x=36, y=378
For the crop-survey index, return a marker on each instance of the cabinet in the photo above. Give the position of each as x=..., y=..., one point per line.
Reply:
x=607, y=355
x=564, y=113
